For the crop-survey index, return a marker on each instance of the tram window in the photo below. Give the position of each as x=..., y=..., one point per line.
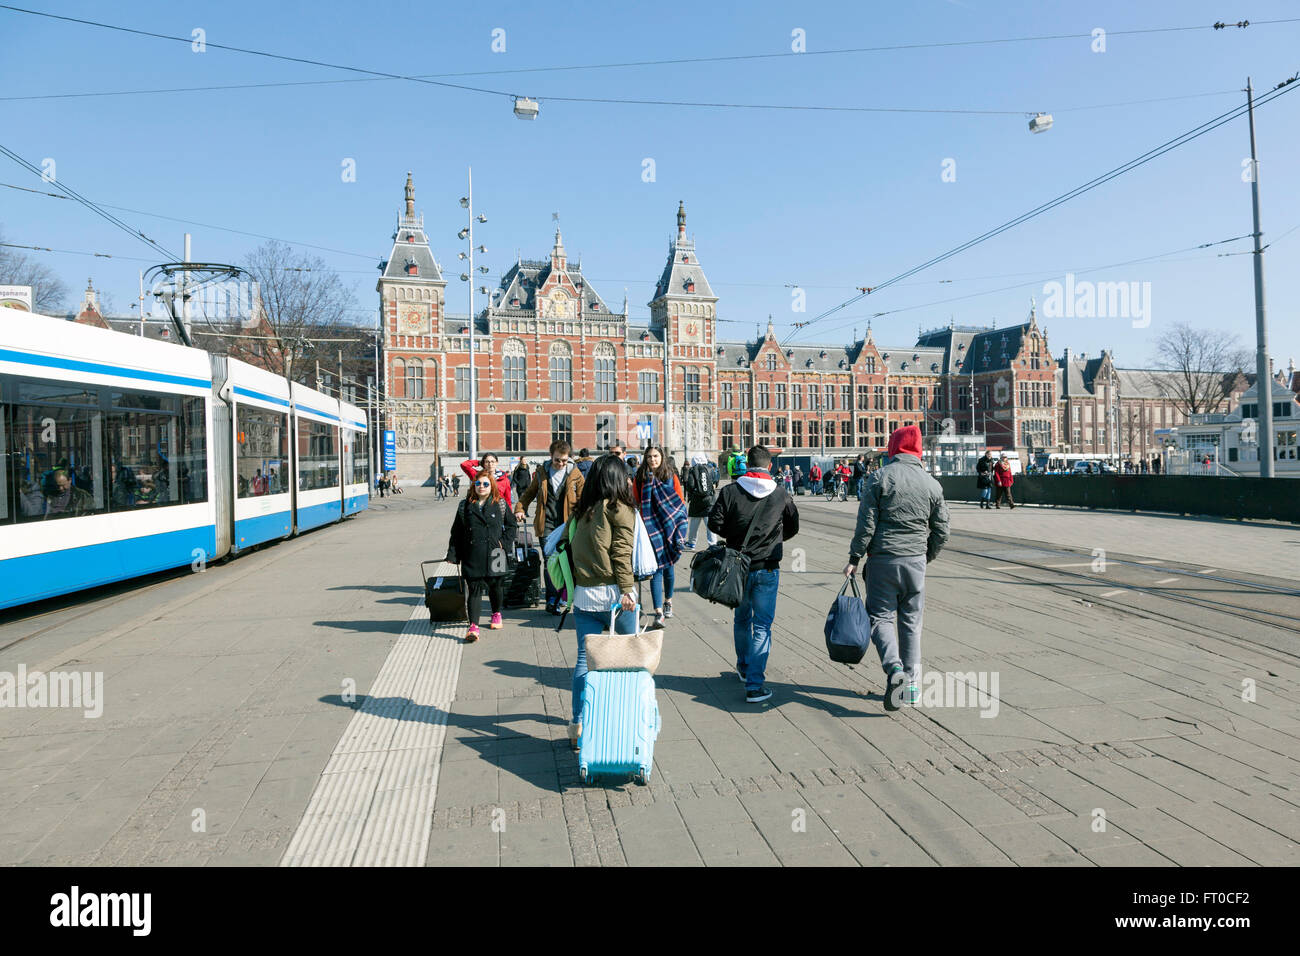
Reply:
x=62, y=393
x=355, y=466
x=56, y=460
x=261, y=451
x=318, y=455
x=157, y=450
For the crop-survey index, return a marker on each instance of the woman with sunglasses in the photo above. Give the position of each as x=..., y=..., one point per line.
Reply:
x=488, y=463
x=482, y=536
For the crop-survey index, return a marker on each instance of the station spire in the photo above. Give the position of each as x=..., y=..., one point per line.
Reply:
x=681, y=219
x=410, y=196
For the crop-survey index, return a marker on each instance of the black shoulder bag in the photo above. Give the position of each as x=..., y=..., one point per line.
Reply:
x=719, y=574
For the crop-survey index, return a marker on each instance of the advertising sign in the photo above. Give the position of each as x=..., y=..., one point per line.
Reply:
x=390, y=449
x=16, y=297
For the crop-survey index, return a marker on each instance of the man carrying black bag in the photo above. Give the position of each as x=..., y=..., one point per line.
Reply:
x=754, y=515
x=902, y=526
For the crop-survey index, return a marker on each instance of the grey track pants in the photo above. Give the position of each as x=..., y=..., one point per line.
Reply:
x=895, y=600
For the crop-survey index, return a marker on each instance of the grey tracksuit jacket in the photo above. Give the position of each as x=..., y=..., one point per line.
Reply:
x=902, y=513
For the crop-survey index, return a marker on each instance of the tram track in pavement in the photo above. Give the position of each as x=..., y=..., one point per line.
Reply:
x=1199, y=600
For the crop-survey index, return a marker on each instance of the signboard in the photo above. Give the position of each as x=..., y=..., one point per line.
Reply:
x=645, y=431
x=390, y=449
x=16, y=297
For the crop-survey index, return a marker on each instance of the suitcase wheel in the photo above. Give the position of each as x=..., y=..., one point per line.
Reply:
x=582, y=775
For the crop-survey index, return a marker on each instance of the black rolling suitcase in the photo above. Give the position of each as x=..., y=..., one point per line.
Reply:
x=525, y=586
x=444, y=596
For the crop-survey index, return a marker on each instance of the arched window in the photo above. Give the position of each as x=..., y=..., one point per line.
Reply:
x=514, y=359
x=398, y=384
x=415, y=379
x=606, y=389
x=561, y=369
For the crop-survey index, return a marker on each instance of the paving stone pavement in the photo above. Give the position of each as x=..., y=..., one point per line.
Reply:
x=1121, y=735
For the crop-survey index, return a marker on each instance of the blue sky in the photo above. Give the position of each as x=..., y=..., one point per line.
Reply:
x=826, y=200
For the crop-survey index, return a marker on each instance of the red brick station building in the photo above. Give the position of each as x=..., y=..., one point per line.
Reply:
x=553, y=360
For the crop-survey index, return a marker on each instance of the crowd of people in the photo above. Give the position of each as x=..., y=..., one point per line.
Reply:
x=601, y=505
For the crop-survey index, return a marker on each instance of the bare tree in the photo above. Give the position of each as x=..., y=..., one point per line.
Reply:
x=297, y=301
x=1197, y=367
x=49, y=294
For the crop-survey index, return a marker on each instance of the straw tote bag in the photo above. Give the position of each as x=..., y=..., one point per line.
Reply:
x=625, y=652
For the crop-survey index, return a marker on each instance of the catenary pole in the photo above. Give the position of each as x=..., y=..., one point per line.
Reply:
x=1263, y=376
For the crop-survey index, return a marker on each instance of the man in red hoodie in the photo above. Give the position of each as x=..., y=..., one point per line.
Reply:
x=902, y=526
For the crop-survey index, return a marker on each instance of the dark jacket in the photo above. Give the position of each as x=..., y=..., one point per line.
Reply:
x=735, y=511
x=482, y=538
x=984, y=473
x=584, y=465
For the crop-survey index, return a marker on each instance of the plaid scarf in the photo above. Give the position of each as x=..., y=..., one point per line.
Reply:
x=664, y=516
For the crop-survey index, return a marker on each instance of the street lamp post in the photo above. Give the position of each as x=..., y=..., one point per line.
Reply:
x=467, y=202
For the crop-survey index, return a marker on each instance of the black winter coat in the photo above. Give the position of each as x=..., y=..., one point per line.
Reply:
x=482, y=539
x=984, y=473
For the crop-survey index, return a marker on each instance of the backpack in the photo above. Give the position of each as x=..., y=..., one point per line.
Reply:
x=737, y=465
x=559, y=567
x=699, y=482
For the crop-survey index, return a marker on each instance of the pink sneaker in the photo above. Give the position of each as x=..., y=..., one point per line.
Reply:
x=495, y=623
x=471, y=635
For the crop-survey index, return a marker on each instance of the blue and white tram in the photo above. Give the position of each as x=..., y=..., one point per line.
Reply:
x=124, y=456
x=259, y=433
x=317, y=458
x=356, y=459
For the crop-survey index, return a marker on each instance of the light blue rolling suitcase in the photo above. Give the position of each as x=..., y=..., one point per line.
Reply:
x=620, y=721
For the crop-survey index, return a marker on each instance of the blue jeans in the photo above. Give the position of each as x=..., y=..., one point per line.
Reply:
x=588, y=623
x=986, y=494
x=661, y=585
x=752, y=625
x=817, y=486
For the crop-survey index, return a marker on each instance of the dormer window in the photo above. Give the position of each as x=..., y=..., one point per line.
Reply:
x=902, y=366
x=690, y=285
x=721, y=349
x=645, y=336
x=822, y=354
x=515, y=302
x=808, y=364
x=789, y=353
x=685, y=257
x=842, y=363
x=934, y=366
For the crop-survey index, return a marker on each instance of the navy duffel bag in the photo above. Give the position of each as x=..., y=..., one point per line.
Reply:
x=848, y=627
